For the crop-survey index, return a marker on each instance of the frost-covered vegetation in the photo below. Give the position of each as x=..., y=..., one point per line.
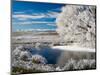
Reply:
x=83, y=64
x=76, y=25
x=25, y=62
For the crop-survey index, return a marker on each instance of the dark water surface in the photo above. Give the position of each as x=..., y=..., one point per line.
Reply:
x=50, y=54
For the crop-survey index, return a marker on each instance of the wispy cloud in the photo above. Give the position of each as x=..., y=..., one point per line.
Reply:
x=51, y=24
x=20, y=12
x=33, y=22
x=24, y=16
x=52, y=14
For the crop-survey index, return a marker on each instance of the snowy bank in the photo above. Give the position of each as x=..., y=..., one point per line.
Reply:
x=74, y=48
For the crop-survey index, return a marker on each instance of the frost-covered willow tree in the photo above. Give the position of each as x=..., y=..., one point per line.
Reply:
x=76, y=25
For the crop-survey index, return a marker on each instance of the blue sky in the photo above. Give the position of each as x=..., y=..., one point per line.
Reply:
x=34, y=15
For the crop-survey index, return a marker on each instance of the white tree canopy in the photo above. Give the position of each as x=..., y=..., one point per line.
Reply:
x=76, y=24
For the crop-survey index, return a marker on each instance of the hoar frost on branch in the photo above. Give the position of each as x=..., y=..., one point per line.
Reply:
x=76, y=24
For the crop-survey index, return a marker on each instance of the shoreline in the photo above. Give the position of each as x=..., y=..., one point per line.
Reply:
x=74, y=48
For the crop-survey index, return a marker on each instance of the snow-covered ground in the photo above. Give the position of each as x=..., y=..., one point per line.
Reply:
x=73, y=48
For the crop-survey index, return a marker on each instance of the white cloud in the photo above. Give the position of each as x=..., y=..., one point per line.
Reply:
x=19, y=12
x=24, y=16
x=52, y=14
x=33, y=22
x=21, y=16
x=51, y=24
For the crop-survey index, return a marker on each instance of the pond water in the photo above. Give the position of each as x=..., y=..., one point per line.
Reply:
x=50, y=54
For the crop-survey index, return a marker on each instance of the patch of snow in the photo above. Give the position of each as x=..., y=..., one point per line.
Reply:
x=74, y=48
